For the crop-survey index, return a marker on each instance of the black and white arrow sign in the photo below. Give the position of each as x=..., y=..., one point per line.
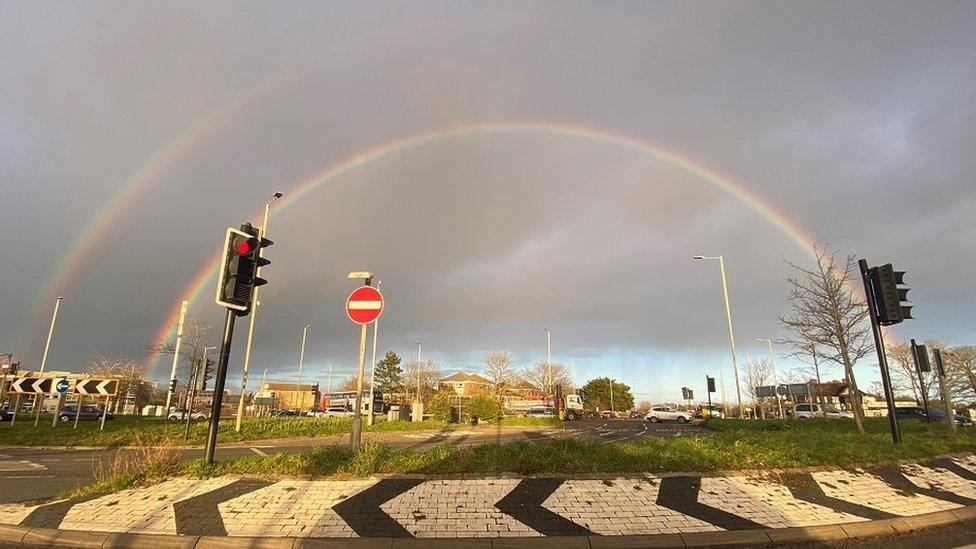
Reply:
x=35, y=385
x=97, y=387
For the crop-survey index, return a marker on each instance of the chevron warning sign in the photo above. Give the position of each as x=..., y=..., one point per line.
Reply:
x=97, y=387
x=33, y=385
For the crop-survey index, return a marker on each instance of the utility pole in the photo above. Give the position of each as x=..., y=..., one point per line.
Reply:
x=220, y=379
x=548, y=374
x=916, y=350
x=193, y=390
x=372, y=368
x=254, y=314
x=301, y=362
x=39, y=399
x=176, y=355
x=611, y=392
x=950, y=413
x=418, y=408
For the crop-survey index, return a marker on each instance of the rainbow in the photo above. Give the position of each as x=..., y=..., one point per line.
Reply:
x=292, y=196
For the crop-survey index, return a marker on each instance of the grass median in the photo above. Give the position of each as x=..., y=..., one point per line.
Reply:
x=733, y=445
x=145, y=431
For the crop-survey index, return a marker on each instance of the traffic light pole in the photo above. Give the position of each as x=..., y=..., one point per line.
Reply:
x=950, y=414
x=880, y=348
x=921, y=381
x=219, y=381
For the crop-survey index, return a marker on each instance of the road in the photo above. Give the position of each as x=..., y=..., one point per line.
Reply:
x=28, y=474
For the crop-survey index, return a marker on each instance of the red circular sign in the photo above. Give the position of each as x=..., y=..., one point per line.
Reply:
x=364, y=304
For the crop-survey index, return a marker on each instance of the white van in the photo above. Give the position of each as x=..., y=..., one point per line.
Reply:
x=814, y=411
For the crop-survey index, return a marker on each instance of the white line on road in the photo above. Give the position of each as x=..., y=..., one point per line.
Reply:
x=258, y=451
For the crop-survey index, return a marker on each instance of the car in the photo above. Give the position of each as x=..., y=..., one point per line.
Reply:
x=337, y=411
x=88, y=413
x=937, y=414
x=175, y=415
x=816, y=411
x=288, y=413
x=634, y=415
x=6, y=415
x=667, y=413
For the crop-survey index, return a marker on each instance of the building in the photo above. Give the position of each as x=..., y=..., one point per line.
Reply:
x=464, y=384
x=292, y=396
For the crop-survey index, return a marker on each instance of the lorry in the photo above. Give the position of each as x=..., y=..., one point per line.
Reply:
x=566, y=406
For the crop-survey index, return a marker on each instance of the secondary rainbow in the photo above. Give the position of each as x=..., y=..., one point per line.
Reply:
x=206, y=275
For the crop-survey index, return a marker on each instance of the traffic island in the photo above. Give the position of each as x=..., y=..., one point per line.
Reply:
x=665, y=510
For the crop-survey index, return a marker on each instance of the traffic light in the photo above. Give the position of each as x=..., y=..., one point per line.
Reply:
x=172, y=385
x=888, y=296
x=684, y=393
x=922, y=358
x=710, y=381
x=241, y=264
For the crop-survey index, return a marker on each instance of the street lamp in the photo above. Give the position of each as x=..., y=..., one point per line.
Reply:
x=301, y=362
x=418, y=407
x=372, y=367
x=548, y=372
x=254, y=314
x=264, y=383
x=47, y=347
x=772, y=366
x=728, y=316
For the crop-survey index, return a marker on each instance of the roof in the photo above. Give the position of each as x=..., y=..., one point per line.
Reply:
x=833, y=389
x=464, y=378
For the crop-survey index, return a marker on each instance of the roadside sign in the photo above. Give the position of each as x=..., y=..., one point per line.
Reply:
x=364, y=305
x=97, y=387
x=31, y=385
x=62, y=386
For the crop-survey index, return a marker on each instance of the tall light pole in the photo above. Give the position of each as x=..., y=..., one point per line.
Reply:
x=772, y=366
x=328, y=383
x=418, y=409
x=176, y=356
x=728, y=316
x=47, y=347
x=372, y=367
x=264, y=383
x=254, y=314
x=301, y=362
x=548, y=372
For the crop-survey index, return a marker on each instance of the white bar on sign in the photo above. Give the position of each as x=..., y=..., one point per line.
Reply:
x=355, y=305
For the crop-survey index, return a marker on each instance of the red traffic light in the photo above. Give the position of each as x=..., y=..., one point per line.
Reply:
x=246, y=246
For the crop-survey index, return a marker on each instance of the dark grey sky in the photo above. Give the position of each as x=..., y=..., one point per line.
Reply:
x=854, y=120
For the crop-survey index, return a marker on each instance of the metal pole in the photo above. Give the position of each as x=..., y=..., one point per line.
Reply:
x=47, y=347
x=880, y=348
x=950, y=414
x=372, y=367
x=728, y=316
x=357, y=420
x=328, y=383
x=264, y=383
x=16, y=410
x=816, y=370
x=57, y=410
x=709, y=393
x=418, y=404
x=301, y=362
x=176, y=355
x=772, y=365
x=108, y=402
x=611, y=392
x=219, y=380
x=81, y=400
x=921, y=381
x=193, y=391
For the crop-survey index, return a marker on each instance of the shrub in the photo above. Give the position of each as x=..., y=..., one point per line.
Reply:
x=485, y=408
x=442, y=406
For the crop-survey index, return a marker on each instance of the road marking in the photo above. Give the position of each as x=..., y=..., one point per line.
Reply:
x=20, y=466
x=27, y=476
x=259, y=452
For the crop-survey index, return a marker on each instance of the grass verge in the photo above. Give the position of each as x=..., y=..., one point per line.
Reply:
x=734, y=445
x=138, y=431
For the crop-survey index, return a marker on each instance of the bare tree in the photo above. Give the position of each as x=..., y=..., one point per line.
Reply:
x=132, y=374
x=197, y=334
x=960, y=365
x=429, y=372
x=813, y=366
x=545, y=376
x=826, y=316
x=349, y=384
x=757, y=373
x=500, y=370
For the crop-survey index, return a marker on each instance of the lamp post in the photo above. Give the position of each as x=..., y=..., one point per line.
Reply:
x=39, y=399
x=728, y=316
x=372, y=367
x=772, y=366
x=301, y=362
x=418, y=410
x=254, y=314
x=548, y=373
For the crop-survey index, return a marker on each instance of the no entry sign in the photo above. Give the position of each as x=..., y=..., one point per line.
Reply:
x=364, y=305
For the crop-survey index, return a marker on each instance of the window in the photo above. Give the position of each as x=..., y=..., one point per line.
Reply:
x=802, y=407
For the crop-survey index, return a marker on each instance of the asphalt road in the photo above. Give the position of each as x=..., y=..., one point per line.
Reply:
x=28, y=474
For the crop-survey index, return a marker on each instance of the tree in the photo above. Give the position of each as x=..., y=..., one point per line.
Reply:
x=500, y=370
x=758, y=373
x=429, y=372
x=132, y=380
x=643, y=407
x=826, y=316
x=348, y=384
x=545, y=376
x=597, y=393
x=960, y=366
x=904, y=375
x=485, y=408
x=389, y=376
x=197, y=334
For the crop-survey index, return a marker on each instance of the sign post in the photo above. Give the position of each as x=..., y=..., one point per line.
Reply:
x=61, y=387
x=364, y=305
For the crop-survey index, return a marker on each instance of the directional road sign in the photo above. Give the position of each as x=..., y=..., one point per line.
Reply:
x=97, y=387
x=62, y=386
x=365, y=304
x=35, y=385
